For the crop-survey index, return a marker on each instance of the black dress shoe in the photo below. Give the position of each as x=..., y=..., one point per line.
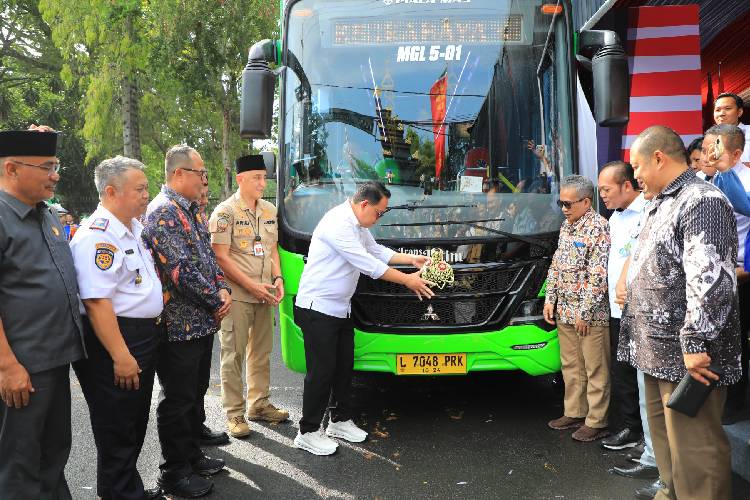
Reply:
x=153, y=494
x=638, y=471
x=634, y=455
x=626, y=438
x=207, y=466
x=192, y=486
x=650, y=491
x=212, y=438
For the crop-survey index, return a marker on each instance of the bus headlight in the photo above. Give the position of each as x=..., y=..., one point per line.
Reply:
x=531, y=312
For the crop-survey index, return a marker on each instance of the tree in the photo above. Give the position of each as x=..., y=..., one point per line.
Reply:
x=104, y=53
x=32, y=91
x=205, y=49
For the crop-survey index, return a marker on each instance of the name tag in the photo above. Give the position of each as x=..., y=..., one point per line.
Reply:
x=258, y=249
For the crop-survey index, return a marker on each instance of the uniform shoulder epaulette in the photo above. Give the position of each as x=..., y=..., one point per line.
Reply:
x=100, y=223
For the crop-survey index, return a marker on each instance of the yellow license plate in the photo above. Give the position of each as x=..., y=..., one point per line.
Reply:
x=430, y=364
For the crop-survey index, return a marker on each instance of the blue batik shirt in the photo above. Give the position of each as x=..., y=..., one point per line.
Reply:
x=190, y=275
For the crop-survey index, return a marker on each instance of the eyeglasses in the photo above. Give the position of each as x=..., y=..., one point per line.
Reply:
x=381, y=213
x=52, y=167
x=203, y=172
x=568, y=204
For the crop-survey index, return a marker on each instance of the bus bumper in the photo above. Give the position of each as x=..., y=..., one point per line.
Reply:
x=522, y=347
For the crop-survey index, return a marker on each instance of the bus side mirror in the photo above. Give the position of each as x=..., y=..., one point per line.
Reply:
x=258, y=84
x=269, y=160
x=611, y=76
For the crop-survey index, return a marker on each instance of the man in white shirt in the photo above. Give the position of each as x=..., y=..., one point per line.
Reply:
x=728, y=109
x=341, y=249
x=121, y=302
x=619, y=192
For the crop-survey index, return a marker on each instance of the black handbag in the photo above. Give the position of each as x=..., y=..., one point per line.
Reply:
x=690, y=394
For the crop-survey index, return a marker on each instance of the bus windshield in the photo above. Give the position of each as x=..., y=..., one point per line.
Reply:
x=462, y=108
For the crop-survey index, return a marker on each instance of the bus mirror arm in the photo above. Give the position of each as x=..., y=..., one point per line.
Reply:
x=591, y=41
x=258, y=85
x=265, y=51
x=601, y=52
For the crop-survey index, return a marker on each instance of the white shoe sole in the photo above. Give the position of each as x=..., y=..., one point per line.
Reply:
x=345, y=437
x=619, y=446
x=298, y=443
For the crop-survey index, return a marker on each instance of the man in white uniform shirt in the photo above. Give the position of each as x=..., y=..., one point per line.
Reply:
x=728, y=109
x=341, y=249
x=619, y=191
x=121, y=301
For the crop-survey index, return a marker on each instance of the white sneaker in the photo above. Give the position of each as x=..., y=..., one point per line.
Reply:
x=316, y=443
x=346, y=430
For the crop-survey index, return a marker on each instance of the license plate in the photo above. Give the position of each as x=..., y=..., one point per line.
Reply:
x=430, y=364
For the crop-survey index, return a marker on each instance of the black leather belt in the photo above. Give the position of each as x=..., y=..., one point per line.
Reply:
x=139, y=321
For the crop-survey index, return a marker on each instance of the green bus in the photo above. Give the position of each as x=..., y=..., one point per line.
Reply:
x=466, y=110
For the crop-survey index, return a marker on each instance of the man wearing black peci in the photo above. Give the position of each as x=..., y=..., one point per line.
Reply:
x=40, y=326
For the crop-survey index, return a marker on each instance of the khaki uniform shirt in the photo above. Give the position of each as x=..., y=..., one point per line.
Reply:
x=232, y=223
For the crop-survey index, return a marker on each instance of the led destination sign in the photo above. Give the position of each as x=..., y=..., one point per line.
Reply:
x=419, y=31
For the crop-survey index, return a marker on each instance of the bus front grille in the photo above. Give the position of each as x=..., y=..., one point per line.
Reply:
x=482, y=298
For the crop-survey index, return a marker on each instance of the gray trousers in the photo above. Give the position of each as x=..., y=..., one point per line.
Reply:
x=35, y=440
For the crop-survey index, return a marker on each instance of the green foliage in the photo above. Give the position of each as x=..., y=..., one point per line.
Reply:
x=32, y=92
x=203, y=51
x=62, y=63
x=424, y=152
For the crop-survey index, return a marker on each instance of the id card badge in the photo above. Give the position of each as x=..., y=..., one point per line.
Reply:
x=258, y=249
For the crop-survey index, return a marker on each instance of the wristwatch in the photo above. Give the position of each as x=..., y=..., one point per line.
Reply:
x=274, y=278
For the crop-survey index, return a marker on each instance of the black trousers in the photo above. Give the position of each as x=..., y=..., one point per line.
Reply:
x=119, y=417
x=623, y=403
x=329, y=354
x=177, y=369
x=737, y=393
x=35, y=440
x=204, y=379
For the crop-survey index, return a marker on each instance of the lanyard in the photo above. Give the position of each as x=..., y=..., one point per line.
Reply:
x=255, y=226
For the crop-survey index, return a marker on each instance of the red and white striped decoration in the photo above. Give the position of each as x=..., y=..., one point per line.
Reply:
x=665, y=69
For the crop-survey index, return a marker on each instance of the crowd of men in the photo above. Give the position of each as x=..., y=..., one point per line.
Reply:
x=148, y=285
x=657, y=293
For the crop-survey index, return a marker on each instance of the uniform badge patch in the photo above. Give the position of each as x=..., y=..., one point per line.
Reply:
x=104, y=258
x=55, y=231
x=222, y=223
x=100, y=223
x=105, y=255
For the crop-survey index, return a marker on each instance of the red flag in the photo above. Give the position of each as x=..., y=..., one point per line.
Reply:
x=708, y=109
x=438, y=102
x=721, y=80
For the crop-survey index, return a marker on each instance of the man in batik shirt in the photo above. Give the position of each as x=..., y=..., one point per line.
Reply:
x=197, y=298
x=576, y=300
x=681, y=315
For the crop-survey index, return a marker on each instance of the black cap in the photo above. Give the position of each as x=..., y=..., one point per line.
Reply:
x=27, y=143
x=249, y=162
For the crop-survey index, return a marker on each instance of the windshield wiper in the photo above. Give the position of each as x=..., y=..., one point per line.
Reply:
x=440, y=223
x=475, y=223
x=414, y=206
x=525, y=239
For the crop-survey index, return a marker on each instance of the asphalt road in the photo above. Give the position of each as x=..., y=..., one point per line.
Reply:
x=474, y=437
